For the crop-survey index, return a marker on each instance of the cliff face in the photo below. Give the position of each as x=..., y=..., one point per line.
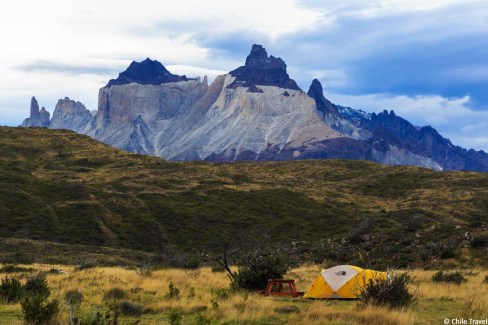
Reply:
x=255, y=112
x=71, y=115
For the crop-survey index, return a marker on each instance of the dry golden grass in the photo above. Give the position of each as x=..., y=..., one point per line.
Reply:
x=199, y=294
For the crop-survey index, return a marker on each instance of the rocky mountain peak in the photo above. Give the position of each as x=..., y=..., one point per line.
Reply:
x=34, y=108
x=37, y=118
x=70, y=114
x=323, y=105
x=262, y=70
x=257, y=56
x=44, y=117
x=147, y=72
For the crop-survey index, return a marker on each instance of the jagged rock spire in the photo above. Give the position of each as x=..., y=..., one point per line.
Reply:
x=262, y=70
x=34, y=109
x=37, y=118
x=323, y=105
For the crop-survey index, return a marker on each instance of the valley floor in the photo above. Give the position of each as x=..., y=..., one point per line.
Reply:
x=201, y=296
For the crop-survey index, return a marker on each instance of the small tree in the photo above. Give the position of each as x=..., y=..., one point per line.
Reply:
x=258, y=261
x=36, y=310
x=258, y=268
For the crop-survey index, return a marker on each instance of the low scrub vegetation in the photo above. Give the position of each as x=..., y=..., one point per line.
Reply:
x=87, y=199
x=397, y=290
x=454, y=277
x=205, y=297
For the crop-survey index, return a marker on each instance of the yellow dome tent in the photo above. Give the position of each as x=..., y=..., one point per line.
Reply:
x=342, y=281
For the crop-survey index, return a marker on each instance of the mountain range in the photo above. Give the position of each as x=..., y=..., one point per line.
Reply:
x=253, y=113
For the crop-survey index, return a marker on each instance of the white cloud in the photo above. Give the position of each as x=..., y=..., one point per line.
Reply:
x=191, y=71
x=377, y=8
x=45, y=44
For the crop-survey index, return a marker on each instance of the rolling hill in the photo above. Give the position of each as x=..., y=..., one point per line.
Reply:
x=65, y=192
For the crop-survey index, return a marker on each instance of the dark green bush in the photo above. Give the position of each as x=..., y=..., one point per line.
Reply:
x=114, y=294
x=221, y=294
x=99, y=318
x=486, y=279
x=173, y=291
x=256, y=276
x=37, y=286
x=455, y=277
x=444, y=250
x=11, y=290
x=395, y=291
x=479, y=241
x=193, y=262
x=202, y=320
x=128, y=308
x=14, y=269
x=37, y=311
x=55, y=271
x=175, y=316
x=357, y=234
x=217, y=268
x=411, y=223
x=85, y=265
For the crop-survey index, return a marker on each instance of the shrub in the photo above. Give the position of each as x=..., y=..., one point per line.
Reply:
x=444, y=250
x=14, y=269
x=411, y=223
x=37, y=311
x=394, y=291
x=356, y=236
x=128, y=308
x=193, y=262
x=480, y=241
x=202, y=320
x=220, y=294
x=486, y=279
x=35, y=307
x=173, y=291
x=256, y=275
x=455, y=277
x=84, y=266
x=11, y=290
x=55, y=271
x=37, y=286
x=114, y=294
x=99, y=318
x=175, y=316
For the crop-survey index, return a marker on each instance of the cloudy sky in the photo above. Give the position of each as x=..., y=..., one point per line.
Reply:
x=426, y=60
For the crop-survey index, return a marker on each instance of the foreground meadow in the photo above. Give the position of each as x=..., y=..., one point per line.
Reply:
x=201, y=296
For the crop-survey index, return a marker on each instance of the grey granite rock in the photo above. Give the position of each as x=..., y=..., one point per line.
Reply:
x=70, y=114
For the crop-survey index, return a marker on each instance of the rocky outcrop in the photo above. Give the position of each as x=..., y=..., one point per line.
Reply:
x=37, y=118
x=256, y=112
x=262, y=70
x=323, y=105
x=70, y=114
x=147, y=72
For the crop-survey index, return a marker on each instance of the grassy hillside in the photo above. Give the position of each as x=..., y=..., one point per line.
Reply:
x=58, y=186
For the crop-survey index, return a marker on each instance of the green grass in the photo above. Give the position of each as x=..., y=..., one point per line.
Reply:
x=61, y=187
